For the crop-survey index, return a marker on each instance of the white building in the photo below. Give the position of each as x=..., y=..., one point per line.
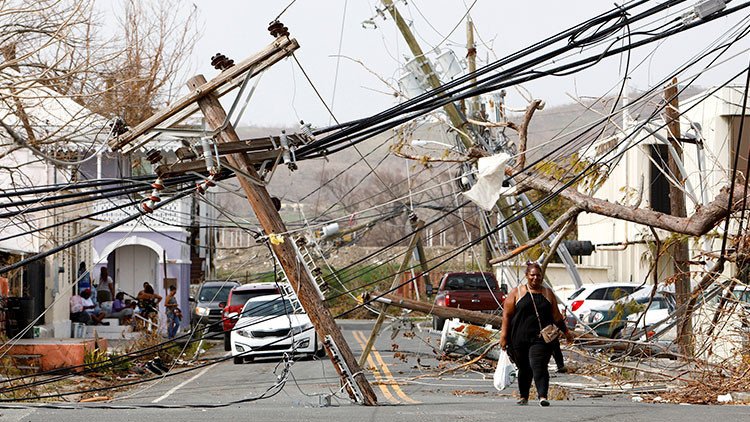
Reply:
x=70, y=146
x=641, y=177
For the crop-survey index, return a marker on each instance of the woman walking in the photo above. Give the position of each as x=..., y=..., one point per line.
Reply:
x=528, y=309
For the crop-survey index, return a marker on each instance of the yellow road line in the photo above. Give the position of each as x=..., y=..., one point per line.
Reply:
x=383, y=387
x=388, y=375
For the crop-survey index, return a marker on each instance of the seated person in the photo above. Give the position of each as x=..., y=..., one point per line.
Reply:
x=120, y=309
x=77, y=313
x=88, y=306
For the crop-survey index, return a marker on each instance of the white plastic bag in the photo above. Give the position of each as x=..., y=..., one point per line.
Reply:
x=505, y=371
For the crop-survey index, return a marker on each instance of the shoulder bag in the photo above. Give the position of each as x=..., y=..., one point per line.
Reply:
x=549, y=333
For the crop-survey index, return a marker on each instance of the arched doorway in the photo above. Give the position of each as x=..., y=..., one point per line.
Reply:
x=135, y=264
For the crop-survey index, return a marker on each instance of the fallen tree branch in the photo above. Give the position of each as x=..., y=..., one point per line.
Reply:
x=701, y=222
x=523, y=132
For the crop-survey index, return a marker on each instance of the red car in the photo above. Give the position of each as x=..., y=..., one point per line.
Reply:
x=236, y=300
x=471, y=291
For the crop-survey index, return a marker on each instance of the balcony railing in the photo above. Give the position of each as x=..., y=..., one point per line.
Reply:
x=173, y=216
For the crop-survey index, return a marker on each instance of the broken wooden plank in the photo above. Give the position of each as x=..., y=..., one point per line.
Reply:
x=279, y=49
x=473, y=317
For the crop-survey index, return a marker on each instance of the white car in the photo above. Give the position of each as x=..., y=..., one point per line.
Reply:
x=597, y=296
x=269, y=326
x=655, y=314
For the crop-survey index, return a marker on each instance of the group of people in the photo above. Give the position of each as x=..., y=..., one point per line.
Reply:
x=93, y=303
x=148, y=302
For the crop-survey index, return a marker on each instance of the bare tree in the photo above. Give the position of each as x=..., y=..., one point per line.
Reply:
x=55, y=54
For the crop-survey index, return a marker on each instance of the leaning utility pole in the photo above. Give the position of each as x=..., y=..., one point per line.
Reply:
x=679, y=249
x=461, y=126
x=204, y=96
x=290, y=261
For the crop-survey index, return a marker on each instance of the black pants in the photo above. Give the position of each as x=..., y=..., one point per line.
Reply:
x=532, y=359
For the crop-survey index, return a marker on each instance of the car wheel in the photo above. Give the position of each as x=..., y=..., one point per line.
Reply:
x=227, y=342
x=238, y=360
x=438, y=323
x=320, y=352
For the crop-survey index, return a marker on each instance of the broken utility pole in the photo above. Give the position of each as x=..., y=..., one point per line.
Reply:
x=204, y=96
x=290, y=261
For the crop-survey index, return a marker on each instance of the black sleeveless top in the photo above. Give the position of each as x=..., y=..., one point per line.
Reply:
x=524, y=326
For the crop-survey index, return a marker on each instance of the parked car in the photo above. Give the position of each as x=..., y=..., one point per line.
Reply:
x=268, y=326
x=475, y=291
x=597, y=296
x=610, y=321
x=207, y=310
x=237, y=299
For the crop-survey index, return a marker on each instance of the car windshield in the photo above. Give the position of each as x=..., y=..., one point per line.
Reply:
x=470, y=282
x=264, y=308
x=239, y=298
x=215, y=293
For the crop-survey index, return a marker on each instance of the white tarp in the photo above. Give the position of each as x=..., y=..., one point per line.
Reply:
x=489, y=186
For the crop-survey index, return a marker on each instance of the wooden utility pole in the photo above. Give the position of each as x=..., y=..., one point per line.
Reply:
x=420, y=251
x=271, y=222
x=475, y=113
x=456, y=119
x=396, y=281
x=679, y=249
x=471, y=59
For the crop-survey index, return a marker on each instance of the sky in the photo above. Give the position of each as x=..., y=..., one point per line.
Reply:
x=352, y=66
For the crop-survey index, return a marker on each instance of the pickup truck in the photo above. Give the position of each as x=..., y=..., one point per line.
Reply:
x=475, y=291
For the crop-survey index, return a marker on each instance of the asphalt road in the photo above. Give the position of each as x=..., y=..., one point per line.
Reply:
x=407, y=383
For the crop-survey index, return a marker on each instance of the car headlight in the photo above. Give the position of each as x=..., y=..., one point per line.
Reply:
x=303, y=343
x=245, y=333
x=301, y=328
x=595, y=317
x=201, y=311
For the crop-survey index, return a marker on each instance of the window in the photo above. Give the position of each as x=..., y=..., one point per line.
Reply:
x=240, y=297
x=598, y=294
x=745, y=151
x=215, y=293
x=471, y=282
x=658, y=183
x=614, y=293
x=273, y=307
x=576, y=293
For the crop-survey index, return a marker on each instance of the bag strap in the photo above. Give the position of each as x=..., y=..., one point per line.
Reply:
x=533, y=302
